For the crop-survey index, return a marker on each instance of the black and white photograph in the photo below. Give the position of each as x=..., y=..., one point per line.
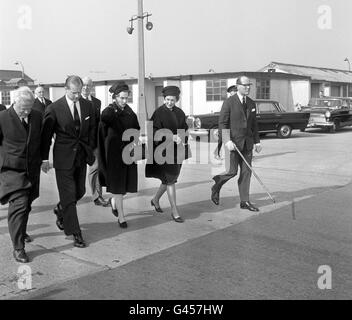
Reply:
x=175, y=155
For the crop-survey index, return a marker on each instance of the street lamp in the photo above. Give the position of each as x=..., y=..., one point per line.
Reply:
x=141, y=61
x=20, y=63
x=349, y=64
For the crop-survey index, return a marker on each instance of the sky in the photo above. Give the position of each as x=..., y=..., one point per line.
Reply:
x=54, y=39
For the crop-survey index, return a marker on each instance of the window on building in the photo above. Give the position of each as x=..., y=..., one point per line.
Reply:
x=216, y=90
x=6, y=98
x=349, y=90
x=263, y=89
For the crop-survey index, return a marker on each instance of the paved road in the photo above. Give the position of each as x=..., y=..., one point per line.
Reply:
x=220, y=252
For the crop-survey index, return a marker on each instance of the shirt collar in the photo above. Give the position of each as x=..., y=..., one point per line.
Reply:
x=240, y=96
x=70, y=102
x=88, y=98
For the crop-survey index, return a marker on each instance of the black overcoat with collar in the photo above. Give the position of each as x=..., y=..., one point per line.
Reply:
x=20, y=157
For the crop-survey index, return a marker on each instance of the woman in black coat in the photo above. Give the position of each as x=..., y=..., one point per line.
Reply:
x=170, y=117
x=118, y=176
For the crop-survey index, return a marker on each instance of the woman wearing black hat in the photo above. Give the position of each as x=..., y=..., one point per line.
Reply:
x=118, y=176
x=170, y=117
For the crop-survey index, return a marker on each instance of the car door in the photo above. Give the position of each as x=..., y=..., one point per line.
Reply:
x=268, y=116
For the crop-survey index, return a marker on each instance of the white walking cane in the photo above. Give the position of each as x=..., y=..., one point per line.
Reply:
x=252, y=170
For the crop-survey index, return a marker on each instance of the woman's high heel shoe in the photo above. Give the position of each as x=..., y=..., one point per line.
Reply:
x=115, y=212
x=157, y=209
x=178, y=219
x=122, y=225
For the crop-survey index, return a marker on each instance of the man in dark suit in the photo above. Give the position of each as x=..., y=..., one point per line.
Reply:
x=20, y=160
x=72, y=119
x=93, y=174
x=40, y=103
x=2, y=107
x=238, y=125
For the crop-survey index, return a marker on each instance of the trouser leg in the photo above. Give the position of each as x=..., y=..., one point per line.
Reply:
x=245, y=176
x=71, y=189
x=93, y=178
x=221, y=179
x=17, y=219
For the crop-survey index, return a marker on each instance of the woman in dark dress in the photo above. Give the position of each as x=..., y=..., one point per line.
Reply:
x=170, y=117
x=118, y=176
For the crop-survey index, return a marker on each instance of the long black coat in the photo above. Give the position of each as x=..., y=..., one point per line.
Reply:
x=164, y=118
x=114, y=173
x=20, y=158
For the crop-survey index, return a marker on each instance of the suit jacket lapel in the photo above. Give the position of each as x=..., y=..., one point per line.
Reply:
x=84, y=114
x=17, y=121
x=240, y=105
x=68, y=115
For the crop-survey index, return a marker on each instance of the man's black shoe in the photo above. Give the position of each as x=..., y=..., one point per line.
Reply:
x=78, y=241
x=215, y=195
x=27, y=238
x=60, y=224
x=20, y=256
x=247, y=205
x=101, y=202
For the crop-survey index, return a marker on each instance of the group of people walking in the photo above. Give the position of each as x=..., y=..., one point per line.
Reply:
x=83, y=135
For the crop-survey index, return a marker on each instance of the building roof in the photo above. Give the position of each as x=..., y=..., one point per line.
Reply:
x=15, y=81
x=7, y=75
x=315, y=73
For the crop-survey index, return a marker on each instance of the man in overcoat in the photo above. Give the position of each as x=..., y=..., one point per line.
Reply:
x=20, y=161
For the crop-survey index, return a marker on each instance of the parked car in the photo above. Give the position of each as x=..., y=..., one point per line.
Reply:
x=329, y=113
x=271, y=117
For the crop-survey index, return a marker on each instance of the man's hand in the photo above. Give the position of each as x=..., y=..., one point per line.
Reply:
x=46, y=166
x=176, y=139
x=258, y=148
x=230, y=145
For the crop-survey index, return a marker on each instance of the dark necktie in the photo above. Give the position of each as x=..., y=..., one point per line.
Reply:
x=77, y=121
x=25, y=124
x=244, y=105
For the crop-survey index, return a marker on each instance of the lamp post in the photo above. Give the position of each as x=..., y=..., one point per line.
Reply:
x=20, y=63
x=349, y=64
x=141, y=61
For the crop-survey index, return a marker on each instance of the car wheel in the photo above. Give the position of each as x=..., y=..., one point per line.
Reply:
x=284, y=131
x=302, y=130
x=334, y=127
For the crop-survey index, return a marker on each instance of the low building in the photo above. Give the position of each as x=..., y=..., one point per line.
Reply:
x=10, y=80
x=323, y=81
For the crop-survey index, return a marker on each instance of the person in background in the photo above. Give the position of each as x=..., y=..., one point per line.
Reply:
x=72, y=120
x=93, y=174
x=170, y=117
x=20, y=160
x=40, y=102
x=114, y=173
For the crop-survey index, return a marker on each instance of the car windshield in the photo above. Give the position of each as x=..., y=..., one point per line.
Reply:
x=325, y=103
